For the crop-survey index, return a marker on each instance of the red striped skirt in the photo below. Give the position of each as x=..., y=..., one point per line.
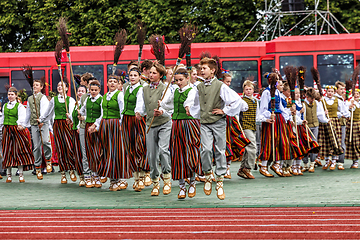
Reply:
x=54, y=154
x=63, y=143
x=326, y=139
x=133, y=133
x=93, y=148
x=235, y=140
x=303, y=141
x=285, y=141
x=77, y=152
x=16, y=148
x=352, y=148
x=113, y=163
x=185, y=148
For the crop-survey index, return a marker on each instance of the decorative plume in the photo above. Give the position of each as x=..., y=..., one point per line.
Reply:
x=64, y=33
x=316, y=77
x=348, y=86
x=188, y=58
x=187, y=35
x=219, y=73
x=355, y=78
x=205, y=54
x=7, y=86
x=58, y=50
x=290, y=73
x=273, y=79
x=141, y=34
x=120, y=41
x=158, y=47
x=28, y=73
x=301, y=79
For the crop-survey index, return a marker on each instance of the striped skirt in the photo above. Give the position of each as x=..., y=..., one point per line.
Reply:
x=312, y=147
x=54, y=157
x=113, y=163
x=63, y=143
x=352, y=148
x=326, y=139
x=77, y=152
x=16, y=148
x=93, y=148
x=235, y=140
x=285, y=141
x=133, y=133
x=185, y=148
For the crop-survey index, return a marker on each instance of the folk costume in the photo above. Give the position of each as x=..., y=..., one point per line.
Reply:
x=41, y=142
x=185, y=139
x=134, y=133
x=91, y=109
x=158, y=137
x=213, y=94
x=113, y=164
x=342, y=120
x=62, y=133
x=16, y=147
x=353, y=147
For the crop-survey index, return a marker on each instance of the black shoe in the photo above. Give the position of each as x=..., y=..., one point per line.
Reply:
x=33, y=172
x=17, y=173
x=3, y=173
x=53, y=170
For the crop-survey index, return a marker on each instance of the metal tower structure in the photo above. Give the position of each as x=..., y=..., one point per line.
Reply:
x=271, y=20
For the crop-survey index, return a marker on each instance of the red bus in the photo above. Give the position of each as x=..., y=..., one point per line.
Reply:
x=334, y=55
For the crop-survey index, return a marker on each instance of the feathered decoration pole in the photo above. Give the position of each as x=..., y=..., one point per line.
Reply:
x=28, y=72
x=290, y=73
x=273, y=80
x=348, y=86
x=120, y=41
x=188, y=34
x=316, y=77
x=355, y=78
x=58, y=50
x=141, y=34
x=64, y=35
x=301, y=80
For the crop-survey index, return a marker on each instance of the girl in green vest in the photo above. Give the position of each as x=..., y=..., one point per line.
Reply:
x=16, y=147
x=62, y=130
x=353, y=148
x=185, y=134
x=133, y=130
x=113, y=163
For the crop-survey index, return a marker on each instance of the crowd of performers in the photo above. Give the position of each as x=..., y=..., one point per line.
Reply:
x=191, y=133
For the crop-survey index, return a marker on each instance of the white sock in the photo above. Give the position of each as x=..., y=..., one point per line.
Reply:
x=8, y=171
x=356, y=161
x=282, y=163
x=20, y=170
x=264, y=163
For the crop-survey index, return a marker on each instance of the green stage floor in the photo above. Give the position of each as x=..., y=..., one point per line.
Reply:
x=322, y=188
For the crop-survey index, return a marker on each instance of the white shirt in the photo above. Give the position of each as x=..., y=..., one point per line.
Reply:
x=21, y=113
x=264, y=113
x=319, y=111
x=120, y=100
x=232, y=102
x=49, y=113
x=343, y=111
x=44, y=103
x=194, y=85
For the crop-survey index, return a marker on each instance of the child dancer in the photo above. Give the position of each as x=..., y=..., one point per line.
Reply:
x=133, y=130
x=40, y=141
x=16, y=148
x=62, y=131
x=158, y=137
x=353, y=147
x=216, y=100
x=185, y=134
x=113, y=163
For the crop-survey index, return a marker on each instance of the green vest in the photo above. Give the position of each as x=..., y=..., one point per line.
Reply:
x=82, y=100
x=60, y=109
x=111, y=108
x=11, y=115
x=75, y=118
x=33, y=115
x=130, y=101
x=311, y=114
x=249, y=116
x=179, y=110
x=332, y=109
x=356, y=115
x=151, y=98
x=93, y=110
x=209, y=97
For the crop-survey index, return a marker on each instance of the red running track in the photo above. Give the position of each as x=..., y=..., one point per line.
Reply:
x=189, y=223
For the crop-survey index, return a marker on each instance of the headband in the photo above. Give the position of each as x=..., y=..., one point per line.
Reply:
x=330, y=87
x=179, y=73
x=134, y=70
x=95, y=84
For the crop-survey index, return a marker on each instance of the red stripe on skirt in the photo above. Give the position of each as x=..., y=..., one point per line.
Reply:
x=63, y=143
x=77, y=152
x=113, y=164
x=16, y=148
x=234, y=137
x=133, y=133
x=185, y=148
x=303, y=140
x=93, y=147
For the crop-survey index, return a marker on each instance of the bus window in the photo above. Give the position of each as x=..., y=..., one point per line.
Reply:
x=18, y=79
x=3, y=94
x=241, y=70
x=119, y=68
x=96, y=70
x=266, y=66
x=297, y=61
x=333, y=67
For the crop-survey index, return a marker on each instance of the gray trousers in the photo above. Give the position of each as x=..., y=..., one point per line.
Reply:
x=258, y=139
x=37, y=151
x=249, y=158
x=213, y=135
x=157, y=147
x=343, y=135
x=315, y=131
x=85, y=162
